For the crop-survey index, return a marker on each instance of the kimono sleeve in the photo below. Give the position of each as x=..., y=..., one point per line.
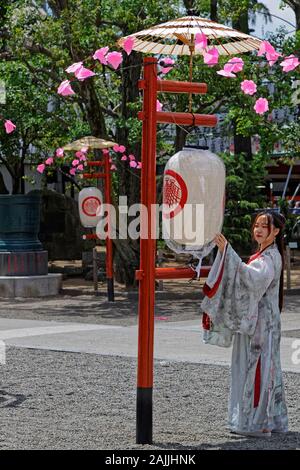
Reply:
x=256, y=276
x=232, y=303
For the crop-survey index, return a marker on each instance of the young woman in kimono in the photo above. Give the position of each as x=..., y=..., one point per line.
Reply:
x=243, y=302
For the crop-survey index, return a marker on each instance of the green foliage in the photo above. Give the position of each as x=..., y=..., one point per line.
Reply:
x=243, y=177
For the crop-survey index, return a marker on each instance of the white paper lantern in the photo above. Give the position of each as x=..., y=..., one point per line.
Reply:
x=90, y=201
x=193, y=201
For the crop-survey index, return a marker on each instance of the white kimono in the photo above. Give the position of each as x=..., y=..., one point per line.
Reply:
x=241, y=301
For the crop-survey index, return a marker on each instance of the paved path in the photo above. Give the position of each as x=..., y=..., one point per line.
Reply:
x=174, y=341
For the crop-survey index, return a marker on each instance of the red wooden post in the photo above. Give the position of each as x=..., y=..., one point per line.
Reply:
x=147, y=258
x=148, y=272
x=109, y=243
x=106, y=175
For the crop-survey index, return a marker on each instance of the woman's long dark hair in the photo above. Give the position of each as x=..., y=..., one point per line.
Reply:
x=278, y=220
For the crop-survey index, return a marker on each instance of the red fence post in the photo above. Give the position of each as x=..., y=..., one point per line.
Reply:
x=108, y=241
x=147, y=273
x=147, y=257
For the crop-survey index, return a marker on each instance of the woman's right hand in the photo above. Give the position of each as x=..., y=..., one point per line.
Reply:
x=220, y=241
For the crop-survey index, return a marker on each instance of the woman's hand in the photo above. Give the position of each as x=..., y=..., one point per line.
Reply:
x=220, y=241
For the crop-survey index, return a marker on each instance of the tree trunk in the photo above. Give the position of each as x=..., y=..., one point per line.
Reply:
x=3, y=188
x=191, y=7
x=297, y=14
x=180, y=138
x=214, y=10
x=126, y=257
x=126, y=261
x=242, y=23
x=242, y=144
x=93, y=112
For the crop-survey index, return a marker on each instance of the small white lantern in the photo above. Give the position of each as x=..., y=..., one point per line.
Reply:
x=193, y=201
x=90, y=201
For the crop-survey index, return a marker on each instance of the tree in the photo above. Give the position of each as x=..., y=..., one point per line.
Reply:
x=48, y=39
x=295, y=5
x=41, y=122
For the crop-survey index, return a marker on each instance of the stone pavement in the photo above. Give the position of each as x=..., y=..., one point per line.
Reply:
x=92, y=325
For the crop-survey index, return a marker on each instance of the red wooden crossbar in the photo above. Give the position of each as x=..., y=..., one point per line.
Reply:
x=96, y=163
x=170, y=86
x=90, y=176
x=174, y=273
x=183, y=119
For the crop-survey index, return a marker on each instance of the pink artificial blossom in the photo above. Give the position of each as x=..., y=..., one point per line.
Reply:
x=116, y=148
x=72, y=171
x=105, y=152
x=49, y=161
x=75, y=162
x=235, y=65
x=124, y=158
x=82, y=158
x=113, y=167
x=131, y=157
x=128, y=45
x=133, y=164
x=80, y=167
x=165, y=70
x=261, y=106
x=65, y=89
x=272, y=57
x=84, y=149
x=200, y=41
x=114, y=59
x=122, y=149
x=83, y=73
x=226, y=73
x=139, y=166
x=166, y=61
x=100, y=55
x=158, y=105
x=211, y=57
x=74, y=67
x=289, y=63
x=9, y=126
x=249, y=87
x=59, y=152
x=110, y=160
x=41, y=168
x=265, y=48
x=78, y=154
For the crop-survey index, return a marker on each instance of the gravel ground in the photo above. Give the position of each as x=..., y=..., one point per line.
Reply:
x=123, y=312
x=54, y=400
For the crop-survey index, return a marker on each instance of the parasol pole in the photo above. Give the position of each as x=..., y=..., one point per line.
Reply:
x=192, y=50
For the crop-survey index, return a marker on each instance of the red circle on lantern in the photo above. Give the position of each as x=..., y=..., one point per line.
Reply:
x=90, y=205
x=175, y=190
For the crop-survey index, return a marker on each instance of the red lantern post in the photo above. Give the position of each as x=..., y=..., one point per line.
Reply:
x=147, y=272
x=106, y=175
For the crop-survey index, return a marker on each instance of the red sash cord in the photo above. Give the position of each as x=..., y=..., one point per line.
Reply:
x=257, y=384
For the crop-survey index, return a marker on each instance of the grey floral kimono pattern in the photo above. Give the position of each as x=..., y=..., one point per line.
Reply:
x=241, y=301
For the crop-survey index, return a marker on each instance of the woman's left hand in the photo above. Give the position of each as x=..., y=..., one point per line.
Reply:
x=220, y=241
